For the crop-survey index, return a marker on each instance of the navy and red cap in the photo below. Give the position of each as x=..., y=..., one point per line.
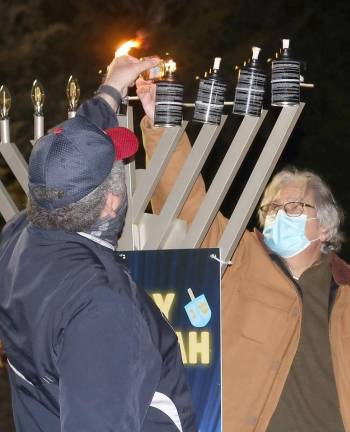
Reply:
x=75, y=159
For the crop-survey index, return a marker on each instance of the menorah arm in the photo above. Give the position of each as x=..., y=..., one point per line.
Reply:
x=151, y=137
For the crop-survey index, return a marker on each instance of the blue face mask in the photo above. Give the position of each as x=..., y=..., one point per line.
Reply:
x=285, y=235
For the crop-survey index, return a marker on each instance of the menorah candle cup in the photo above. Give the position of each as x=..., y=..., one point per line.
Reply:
x=210, y=99
x=250, y=89
x=285, y=79
x=169, y=98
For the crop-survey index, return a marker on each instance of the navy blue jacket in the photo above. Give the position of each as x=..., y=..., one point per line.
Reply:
x=87, y=350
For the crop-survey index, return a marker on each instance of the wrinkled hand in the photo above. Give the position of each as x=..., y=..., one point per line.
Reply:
x=124, y=70
x=146, y=91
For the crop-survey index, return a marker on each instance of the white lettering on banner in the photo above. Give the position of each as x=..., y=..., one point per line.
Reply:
x=196, y=344
x=164, y=302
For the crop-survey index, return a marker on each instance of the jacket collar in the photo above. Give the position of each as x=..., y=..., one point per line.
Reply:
x=340, y=269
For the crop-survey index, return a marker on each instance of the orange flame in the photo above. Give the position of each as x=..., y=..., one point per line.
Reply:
x=126, y=47
x=170, y=66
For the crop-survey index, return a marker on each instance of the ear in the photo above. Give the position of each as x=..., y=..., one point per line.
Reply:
x=111, y=206
x=324, y=234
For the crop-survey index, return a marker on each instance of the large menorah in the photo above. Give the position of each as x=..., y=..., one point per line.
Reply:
x=145, y=231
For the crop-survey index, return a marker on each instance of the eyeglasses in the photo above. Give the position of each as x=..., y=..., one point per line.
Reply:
x=293, y=208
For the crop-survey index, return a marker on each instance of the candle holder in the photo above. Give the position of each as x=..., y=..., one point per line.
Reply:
x=250, y=89
x=285, y=79
x=169, y=98
x=38, y=98
x=156, y=72
x=210, y=99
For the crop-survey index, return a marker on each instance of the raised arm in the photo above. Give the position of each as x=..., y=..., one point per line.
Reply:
x=151, y=137
x=122, y=73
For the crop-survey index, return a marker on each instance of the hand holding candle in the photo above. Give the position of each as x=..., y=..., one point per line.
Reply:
x=146, y=91
x=121, y=73
x=124, y=70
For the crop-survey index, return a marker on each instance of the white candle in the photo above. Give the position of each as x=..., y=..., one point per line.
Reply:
x=38, y=126
x=5, y=130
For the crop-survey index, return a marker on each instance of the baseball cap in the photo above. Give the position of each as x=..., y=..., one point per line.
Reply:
x=75, y=158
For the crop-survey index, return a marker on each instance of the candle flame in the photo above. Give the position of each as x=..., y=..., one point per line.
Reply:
x=5, y=102
x=126, y=47
x=38, y=95
x=170, y=66
x=73, y=93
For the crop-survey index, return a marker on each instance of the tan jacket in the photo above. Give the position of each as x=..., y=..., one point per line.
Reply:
x=261, y=314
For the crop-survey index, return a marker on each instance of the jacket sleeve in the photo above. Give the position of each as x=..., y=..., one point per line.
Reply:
x=98, y=112
x=106, y=382
x=151, y=137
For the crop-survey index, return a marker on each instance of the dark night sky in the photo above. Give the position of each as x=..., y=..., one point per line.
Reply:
x=50, y=40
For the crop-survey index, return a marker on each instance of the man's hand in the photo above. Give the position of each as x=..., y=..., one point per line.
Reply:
x=122, y=73
x=146, y=91
x=124, y=70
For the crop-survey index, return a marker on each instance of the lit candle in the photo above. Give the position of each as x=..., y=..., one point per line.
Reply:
x=73, y=95
x=126, y=47
x=121, y=51
x=169, y=98
x=38, y=98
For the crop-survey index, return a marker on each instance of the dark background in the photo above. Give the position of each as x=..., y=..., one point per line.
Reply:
x=50, y=40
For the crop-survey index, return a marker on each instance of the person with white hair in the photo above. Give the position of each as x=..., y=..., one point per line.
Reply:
x=285, y=301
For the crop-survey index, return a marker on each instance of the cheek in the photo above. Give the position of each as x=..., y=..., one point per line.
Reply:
x=312, y=230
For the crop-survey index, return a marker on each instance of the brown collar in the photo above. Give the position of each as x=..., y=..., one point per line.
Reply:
x=340, y=269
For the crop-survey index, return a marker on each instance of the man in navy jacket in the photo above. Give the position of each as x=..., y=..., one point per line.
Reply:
x=87, y=350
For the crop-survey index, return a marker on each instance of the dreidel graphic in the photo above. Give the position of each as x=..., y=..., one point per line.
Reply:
x=198, y=310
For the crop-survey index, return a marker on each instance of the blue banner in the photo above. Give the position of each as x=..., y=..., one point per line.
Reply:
x=185, y=284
